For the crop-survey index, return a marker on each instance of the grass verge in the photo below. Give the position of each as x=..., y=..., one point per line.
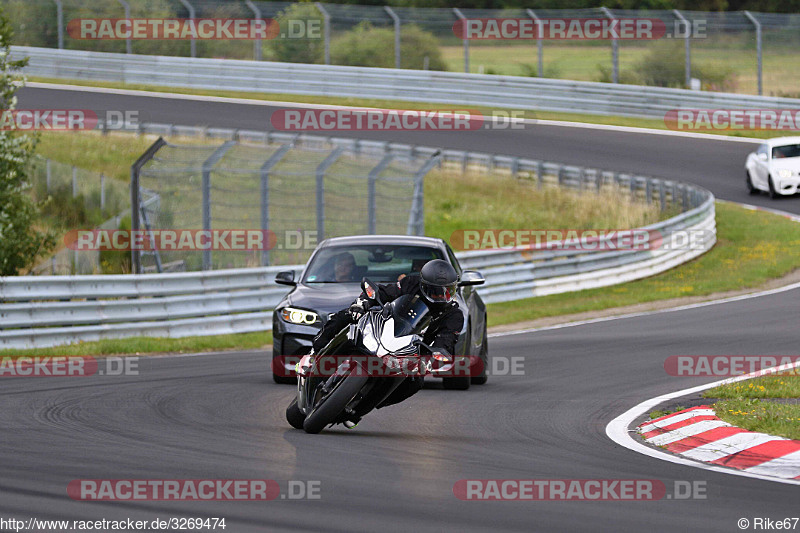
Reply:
x=398, y=104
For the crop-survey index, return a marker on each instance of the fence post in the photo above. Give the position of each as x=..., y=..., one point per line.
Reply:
x=60, y=23
x=74, y=181
x=192, y=15
x=371, y=178
x=48, y=174
x=539, y=54
x=465, y=39
x=687, y=60
x=539, y=174
x=662, y=194
x=327, y=31
x=136, y=258
x=757, y=24
x=265, y=169
x=396, y=21
x=614, y=48
x=321, y=169
x=102, y=192
x=128, y=41
x=257, y=52
x=208, y=166
x=416, y=216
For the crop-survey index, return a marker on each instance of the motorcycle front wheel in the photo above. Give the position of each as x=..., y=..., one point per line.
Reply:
x=327, y=411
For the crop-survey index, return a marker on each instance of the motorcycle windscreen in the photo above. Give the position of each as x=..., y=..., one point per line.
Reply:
x=410, y=315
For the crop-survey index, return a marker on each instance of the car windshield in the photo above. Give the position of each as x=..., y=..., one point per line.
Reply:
x=381, y=263
x=787, y=150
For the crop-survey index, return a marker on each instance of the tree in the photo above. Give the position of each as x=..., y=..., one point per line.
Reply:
x=20, y=241
x=310, y=49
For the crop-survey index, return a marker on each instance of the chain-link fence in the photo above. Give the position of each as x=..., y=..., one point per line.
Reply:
x=728, y=51
x=78, y=199
x=293, y=195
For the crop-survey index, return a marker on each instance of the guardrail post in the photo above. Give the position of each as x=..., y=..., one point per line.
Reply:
x=687, y=60
x=327, y=31
x=128, y=41
x=396, y=21
x=371, y=178
x=265, y=169
x=321, y=169
x=757, y=24
x=192, y=15
x=539, y=54
x=102, y=192
x=662, y=195
x=684, y=197
x=648, y=190
x=539, y=174
x=561, y=175
x=614, y=48
x=60, y=23
x=257, y=52
x=136, y=168
x=208, y=166
x=416, y=216
x=465, y=39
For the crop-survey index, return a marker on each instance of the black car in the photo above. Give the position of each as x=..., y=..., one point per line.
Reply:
x=331, y=281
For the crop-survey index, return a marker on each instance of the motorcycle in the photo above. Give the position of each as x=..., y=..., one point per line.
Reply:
x=364, y=363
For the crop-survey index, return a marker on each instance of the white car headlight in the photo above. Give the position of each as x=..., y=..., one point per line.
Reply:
x=784, y=173
x=299, y=316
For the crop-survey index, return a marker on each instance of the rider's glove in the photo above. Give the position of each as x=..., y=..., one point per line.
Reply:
x=358, y=309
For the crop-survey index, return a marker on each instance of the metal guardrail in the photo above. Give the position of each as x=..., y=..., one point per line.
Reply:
x=382, y=83
x=39, y=311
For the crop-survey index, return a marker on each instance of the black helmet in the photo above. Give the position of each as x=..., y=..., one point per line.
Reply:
x=438, y=282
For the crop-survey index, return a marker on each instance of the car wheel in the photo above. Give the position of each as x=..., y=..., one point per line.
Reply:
x=750, y=187
x=456, y=383
x=772, y=192
x=294, y=415
x=484, y=355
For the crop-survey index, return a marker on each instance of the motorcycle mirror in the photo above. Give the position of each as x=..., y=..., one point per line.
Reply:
x=371, y=290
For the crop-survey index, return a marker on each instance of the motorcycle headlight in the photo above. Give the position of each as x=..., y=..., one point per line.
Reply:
x=784, y=173
x=299, y=316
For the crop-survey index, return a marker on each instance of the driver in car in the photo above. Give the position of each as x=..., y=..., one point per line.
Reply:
x=436, y=283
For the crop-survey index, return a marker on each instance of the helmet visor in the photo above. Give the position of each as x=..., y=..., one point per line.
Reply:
x=439, y=293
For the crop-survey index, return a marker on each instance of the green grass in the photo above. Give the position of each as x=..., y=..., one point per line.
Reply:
x=149, y=345
x=752, y=247
x=658, y=413
x=397, y=104
x=783, y=385
x=581, y=61
x=765, y=417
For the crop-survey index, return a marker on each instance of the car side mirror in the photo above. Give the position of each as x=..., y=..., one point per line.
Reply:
x=762, y=156
x=471, y=277
x=285, y=278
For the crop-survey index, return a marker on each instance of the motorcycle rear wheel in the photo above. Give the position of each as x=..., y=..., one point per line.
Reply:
x=337, y=400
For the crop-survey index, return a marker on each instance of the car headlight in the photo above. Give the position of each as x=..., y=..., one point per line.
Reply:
x=784, y=173
x=299, y=316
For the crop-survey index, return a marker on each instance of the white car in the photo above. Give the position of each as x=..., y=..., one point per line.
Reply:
x=775, y=167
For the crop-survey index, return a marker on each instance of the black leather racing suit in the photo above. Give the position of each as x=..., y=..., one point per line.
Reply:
x=442, y=332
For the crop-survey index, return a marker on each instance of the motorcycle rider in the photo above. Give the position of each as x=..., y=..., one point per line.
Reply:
x=436, y=283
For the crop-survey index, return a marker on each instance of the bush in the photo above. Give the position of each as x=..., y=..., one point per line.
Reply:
x=306, y=50
x=368, y=46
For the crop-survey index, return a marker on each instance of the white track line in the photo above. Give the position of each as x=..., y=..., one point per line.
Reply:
x=677, y=418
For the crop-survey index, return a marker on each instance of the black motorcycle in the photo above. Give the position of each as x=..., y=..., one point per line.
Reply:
x=365, y=362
